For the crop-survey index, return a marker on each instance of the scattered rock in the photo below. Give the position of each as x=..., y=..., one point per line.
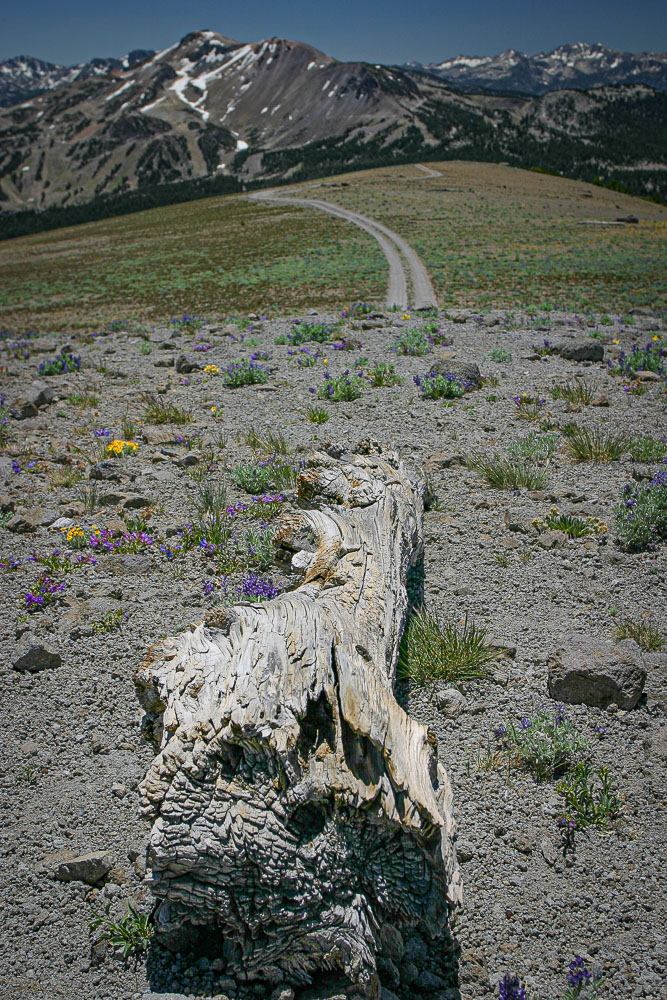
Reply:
x=32, y=656
x=89, y=868
x=184, y=365
x=552, y=539
x=393, y=945
x=443, y=460
x=588, y=671
x=30, y=520
x=588, y=350
x=108, y=470
x=463, y=370
x=451, y=703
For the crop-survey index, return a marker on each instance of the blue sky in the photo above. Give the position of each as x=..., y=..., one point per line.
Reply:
x=391, y=31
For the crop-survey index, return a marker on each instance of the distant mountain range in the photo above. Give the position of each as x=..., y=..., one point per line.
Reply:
x=579, y=66
x=25, y=77
x=209, y=113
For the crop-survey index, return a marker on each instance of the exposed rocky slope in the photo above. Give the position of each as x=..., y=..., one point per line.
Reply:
x=578, y=65
x=211, y=107
x=72, y=756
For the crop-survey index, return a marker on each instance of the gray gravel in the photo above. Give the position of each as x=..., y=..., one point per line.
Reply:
x=72, y=754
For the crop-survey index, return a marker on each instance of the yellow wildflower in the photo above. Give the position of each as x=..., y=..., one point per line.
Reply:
x=211, y=370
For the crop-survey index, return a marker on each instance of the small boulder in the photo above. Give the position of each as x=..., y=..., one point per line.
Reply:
x=393, y=945
x=32, y=656
x=184, y=365
x=463, y=370
x=89, y=868
x=588, y=671
x=451, y=703
x=589, y=350
x=108, y=470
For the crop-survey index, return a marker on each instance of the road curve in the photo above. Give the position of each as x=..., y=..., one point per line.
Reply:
x=391, y=244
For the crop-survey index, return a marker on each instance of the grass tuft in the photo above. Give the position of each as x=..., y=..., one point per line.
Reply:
x=595, y=444
x=507, y=473
x=159, y=411
x=433, y=650
x=642, y=631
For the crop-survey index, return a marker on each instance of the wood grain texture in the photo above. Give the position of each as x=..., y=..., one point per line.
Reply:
x=296, y=808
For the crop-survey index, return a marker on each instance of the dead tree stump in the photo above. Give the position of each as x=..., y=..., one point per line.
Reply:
x=296, y=808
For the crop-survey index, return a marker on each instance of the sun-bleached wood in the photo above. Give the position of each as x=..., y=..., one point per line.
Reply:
x=296, y=807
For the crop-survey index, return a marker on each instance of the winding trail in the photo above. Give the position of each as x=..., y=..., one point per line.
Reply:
x=405, y=267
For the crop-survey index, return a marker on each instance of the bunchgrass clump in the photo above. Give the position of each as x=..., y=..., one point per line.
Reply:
x=383, y=374
x=546, y=744
x=536, y=447
x=159, y=411
x=595, y=444
x=211, y=498
x=306, y=333
x=590, y=799
x=317, y=414
x=641, y=516
x=507, y=473
x=341, y=388
x=267, y=441
x=579, y=391
x=434, y=650
x=642, y=631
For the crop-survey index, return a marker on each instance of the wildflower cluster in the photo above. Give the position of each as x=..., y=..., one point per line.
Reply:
x=188, y=323
x=304, y=333
x=245, y=372
x=64, y=362
x=202, y=346
x=413, y=342
x=305, y=357
x=267, y=505
x=543, y=349
x=575, y=527
x=382, y=374
x=346, y=344
x=211, y=370
x=119, y=448
x=256, y=588
x=434, y=386
x=641, y=516
x=545, y=745
x=45, y=592
x=101, y=432
x=510, y=988
x=104, y=540
x=652, y=358
x=357, y=309
x=340, y=388
x=527, y=400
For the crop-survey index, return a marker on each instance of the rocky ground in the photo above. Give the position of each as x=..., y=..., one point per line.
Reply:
x=72, y=755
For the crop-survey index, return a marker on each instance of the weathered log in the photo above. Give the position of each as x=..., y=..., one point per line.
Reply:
x=296, y=807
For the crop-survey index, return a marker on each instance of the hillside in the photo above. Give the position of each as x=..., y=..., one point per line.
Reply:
x=211, y=108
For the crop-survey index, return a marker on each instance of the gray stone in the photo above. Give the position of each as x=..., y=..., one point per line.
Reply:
x=429, y=982
x=393, y=945
x=30, y=520
x=588, y=671
x=451, y=703
x=416, y=951
x=107, y=470
x=463, y=370
x=184, y=364
x=32, y=656
x=588, y=350
x=465, y=850
x=552, y=539
x=89, y=868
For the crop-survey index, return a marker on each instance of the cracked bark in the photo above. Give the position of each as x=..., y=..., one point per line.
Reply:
x=296, y=807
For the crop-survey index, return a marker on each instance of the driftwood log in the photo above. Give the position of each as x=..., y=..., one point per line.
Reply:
x=296, y=808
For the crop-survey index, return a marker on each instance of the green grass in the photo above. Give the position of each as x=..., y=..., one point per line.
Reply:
x=219, y=255
x=433, y=650
x=595, y=444
x=578, y=391
x=647, y=449
x=317, y=414
x=159, y=411
x=642, y=631
x=507, y=473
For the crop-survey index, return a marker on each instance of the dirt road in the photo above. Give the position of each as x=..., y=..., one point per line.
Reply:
x=409, y=282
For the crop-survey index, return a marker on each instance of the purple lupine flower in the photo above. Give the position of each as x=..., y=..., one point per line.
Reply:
x=578, y=974
x=510, y=988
